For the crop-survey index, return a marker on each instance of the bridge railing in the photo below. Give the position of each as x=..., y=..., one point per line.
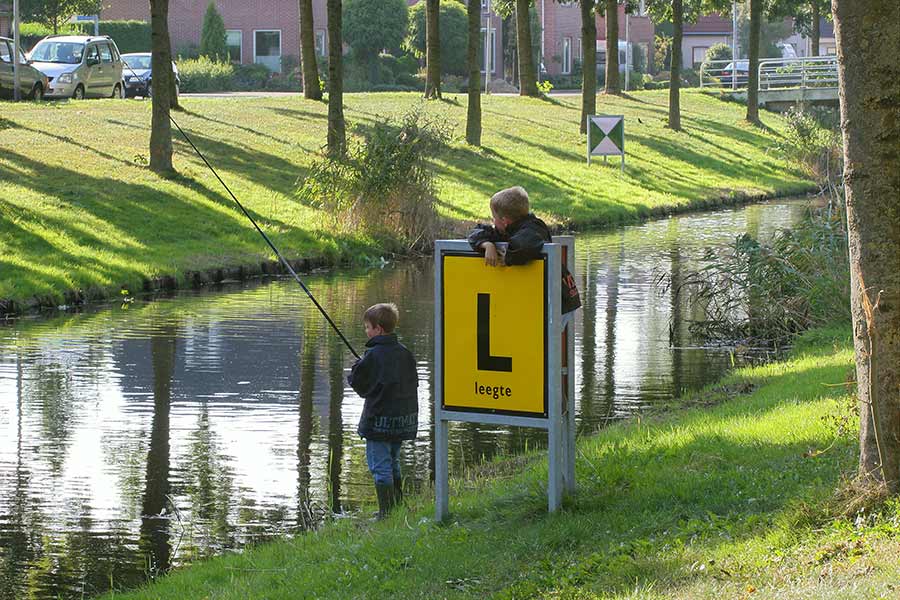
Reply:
x=787, y=73
x=774, y=73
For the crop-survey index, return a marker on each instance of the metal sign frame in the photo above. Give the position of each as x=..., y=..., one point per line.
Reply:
x=559, y=420
x=587, y=124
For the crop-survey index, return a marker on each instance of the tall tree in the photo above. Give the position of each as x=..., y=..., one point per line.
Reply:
x=473, y=111
x=868, y=72
x=432, y=49
x=371, y=26
x=527, y=76
x=756, y=10
x=589, y=66
x=212, y=35
x=55, y=13
x=454, y=34
x=612, y=47
x=310, y=68
x=161, y=64
x=337, y=136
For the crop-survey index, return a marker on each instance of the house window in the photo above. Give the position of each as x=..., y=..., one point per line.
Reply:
x=698, y=53
x=485, y=5
x=579, y=51
x=492, y=46
x=567, y=56
x=320, y=43
x=234, y=42
x=267, y=48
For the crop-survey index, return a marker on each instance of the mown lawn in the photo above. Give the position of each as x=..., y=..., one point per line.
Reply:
x=732, y=498
x=79, y=209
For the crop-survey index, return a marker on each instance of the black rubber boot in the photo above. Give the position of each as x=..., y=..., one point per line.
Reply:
x=398, y=490
x=385, y=493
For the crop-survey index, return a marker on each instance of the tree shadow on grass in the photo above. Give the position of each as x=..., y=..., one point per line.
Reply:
x=687, y=485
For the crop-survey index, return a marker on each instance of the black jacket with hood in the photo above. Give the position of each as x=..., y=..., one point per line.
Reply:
x=526, y=238
x=386, y=377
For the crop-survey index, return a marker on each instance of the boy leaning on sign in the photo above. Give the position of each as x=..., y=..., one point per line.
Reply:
x=525, y=234
x=386, y=377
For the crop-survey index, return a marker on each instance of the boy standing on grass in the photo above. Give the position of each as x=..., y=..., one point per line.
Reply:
x=526, y=235
x=386, y=377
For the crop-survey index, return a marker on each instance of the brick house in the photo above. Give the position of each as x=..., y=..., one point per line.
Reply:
x=698, y=37
x=266, y=32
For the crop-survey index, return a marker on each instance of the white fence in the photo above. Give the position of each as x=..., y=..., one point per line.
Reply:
x=774, y=73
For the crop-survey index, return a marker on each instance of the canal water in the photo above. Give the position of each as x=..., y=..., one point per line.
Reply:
x=139, y=438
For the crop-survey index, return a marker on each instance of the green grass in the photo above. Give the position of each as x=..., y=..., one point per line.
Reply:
x=731, y=498
x=79, y=209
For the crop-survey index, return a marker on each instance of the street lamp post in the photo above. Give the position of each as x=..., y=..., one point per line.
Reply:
x=488, y=46
x=734, y=56
x=17, y=93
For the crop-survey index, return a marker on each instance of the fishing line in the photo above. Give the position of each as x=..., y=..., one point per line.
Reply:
x=284, y=261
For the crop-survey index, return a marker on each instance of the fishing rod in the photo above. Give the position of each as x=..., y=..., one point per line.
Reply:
x=284, y=261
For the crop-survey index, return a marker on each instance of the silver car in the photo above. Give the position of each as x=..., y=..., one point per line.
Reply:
x=32, y=83
x=79, y=66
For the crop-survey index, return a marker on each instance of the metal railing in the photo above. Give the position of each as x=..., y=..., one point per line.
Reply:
x=774, y=73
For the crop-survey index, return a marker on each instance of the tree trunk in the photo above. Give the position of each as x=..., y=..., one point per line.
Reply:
x=337, y=137
x=311, y=90
x=756, y=7
x=816, y=33
x=161, y=63
x=473, y=112
x=867, y=48
x=612, y=47
x=589, y=65
x=527, y=77
x=433, y=49
x=675, y=66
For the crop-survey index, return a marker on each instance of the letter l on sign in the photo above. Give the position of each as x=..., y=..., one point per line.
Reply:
x=486, y=362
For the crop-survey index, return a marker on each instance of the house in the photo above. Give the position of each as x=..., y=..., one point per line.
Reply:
x=265, y=32
x=5, y=19
x=700, y=36
x=827, y=44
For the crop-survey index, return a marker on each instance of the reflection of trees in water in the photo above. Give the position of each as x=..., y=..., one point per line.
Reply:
x=335, y=422
x=305, y=515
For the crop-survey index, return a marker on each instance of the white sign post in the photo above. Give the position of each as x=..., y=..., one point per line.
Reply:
x=489, y=371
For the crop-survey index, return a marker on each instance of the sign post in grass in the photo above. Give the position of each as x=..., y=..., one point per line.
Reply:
x=503, y=355
x=606, y=137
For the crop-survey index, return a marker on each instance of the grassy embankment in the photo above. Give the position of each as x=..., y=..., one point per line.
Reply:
x=79, y=210
x=731, y=498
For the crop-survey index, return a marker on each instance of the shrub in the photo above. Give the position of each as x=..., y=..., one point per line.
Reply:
x=812, y=147
x=187, y=51
x=31, y=33
x=212, y=36
x=130, y=36
x=384, y=185
x=373, y=25
x=764, y=293
x=205, y=75
x=249, y=77
x=717, y=52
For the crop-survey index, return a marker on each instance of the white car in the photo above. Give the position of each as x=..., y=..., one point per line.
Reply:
x=79, y=66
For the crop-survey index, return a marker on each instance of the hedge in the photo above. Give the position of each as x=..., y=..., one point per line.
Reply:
x=130, y=36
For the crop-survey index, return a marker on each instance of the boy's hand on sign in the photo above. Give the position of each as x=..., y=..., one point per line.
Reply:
x=492, y=257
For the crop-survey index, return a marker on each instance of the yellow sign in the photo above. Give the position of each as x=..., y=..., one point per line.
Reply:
x=494, y=325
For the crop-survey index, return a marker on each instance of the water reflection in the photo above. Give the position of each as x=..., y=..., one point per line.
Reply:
x=134, y=441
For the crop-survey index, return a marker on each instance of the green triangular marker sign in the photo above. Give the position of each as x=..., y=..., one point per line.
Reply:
x=597, y=135
x=617, y=135
x=607, y=135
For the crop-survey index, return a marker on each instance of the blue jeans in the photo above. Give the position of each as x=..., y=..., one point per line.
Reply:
x=383, y=459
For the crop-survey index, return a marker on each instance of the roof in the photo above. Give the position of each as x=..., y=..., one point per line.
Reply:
x=713, y=24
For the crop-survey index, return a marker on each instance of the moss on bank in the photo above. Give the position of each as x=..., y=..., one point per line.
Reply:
x=732, y=498
x=80, y=215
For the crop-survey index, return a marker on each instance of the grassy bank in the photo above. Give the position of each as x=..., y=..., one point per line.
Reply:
x=731, y=498
x=79, y=209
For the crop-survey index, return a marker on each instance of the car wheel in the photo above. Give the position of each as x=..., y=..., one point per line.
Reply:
x=117, y=91
x=79, y=93
x=37, y=92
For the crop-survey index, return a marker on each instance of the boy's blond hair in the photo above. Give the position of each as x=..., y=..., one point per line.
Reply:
x=511, y=203
x=384, y=315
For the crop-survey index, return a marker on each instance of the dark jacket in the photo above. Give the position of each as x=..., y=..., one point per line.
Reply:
x=386, y=377
x=526, y=239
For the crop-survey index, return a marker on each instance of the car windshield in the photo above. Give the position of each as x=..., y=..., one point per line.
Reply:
x=68, y=53
x=137, y=62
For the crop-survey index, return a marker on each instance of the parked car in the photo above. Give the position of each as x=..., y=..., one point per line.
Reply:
x=79, y=66
x=741, y=72
x=32, y=83
x=139, y=75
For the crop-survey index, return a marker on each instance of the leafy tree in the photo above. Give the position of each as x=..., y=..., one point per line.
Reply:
x=161, y=64
x=473, y=110
x=371, y=26
x=212, y=36
x=589, y=75
x=453, y=30
x=806, y=14
x=718, y=52
x=337, y=136
x=432, y=49
x=309, y=66
x=55, y=13
x=868, y=46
